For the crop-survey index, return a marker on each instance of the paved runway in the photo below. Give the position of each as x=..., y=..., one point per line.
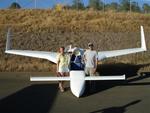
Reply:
x=19, y=95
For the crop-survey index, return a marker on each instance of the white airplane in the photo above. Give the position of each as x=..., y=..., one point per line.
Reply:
x=77, y=78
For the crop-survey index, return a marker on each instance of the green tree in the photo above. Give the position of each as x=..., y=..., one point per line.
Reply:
x=77, y=4
x=15, y=5
x=96, y=4
x=113, y=6
x=135, y=7
x=146, y=8
x=125, y=5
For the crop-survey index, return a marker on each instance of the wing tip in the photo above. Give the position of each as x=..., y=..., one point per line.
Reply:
x=143, y=42
x=8, y=44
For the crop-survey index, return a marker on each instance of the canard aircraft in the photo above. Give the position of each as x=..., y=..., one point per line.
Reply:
x=77, y=78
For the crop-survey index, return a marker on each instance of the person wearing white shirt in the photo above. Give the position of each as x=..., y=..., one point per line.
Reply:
x=91, y=61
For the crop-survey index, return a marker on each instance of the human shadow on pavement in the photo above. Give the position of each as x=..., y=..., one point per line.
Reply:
x=32, y=99
x=117, y=109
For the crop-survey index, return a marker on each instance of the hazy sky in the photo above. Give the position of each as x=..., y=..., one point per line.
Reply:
x=51, y=3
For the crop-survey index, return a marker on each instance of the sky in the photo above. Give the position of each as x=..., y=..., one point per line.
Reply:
x=51, y=3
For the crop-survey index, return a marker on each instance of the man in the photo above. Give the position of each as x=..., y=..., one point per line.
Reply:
x=62, y=66
x=76, y=62
x=91, y=61
x=90, y=58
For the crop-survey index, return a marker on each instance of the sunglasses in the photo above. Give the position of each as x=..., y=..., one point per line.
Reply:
x=90, y=45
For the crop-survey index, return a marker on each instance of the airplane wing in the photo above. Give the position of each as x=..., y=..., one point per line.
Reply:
x=51, y=56
x=114, y=53
x=42, y=79
x=49, y=78
x=117, y=77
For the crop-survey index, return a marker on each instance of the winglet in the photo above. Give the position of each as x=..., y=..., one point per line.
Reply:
x=8, y=44
x=143, y=44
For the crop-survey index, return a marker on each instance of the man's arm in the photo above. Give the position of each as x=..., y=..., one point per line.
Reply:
x=57, y=66
x=84, y=57
x=96, y=62
x=58, y=61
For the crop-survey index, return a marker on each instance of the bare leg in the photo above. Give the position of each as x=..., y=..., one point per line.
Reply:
x=61, y=86
x=61, y=83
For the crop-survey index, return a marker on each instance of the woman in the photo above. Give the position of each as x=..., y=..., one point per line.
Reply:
x=62, y=66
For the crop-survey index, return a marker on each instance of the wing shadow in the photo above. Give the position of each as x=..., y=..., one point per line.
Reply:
x=32, y=99
x=116, y=69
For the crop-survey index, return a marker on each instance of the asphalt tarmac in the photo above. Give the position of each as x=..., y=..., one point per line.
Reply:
x=19, y=95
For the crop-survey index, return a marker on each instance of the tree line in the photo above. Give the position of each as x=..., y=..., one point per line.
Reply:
x=122, y=6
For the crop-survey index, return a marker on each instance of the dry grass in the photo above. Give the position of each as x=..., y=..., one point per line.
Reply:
x=49, y=29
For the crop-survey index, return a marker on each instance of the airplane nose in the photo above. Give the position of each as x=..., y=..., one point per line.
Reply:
x=77, y=82
x=78, y=93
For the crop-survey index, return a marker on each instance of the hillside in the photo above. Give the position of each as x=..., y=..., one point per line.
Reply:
x=47, y=30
